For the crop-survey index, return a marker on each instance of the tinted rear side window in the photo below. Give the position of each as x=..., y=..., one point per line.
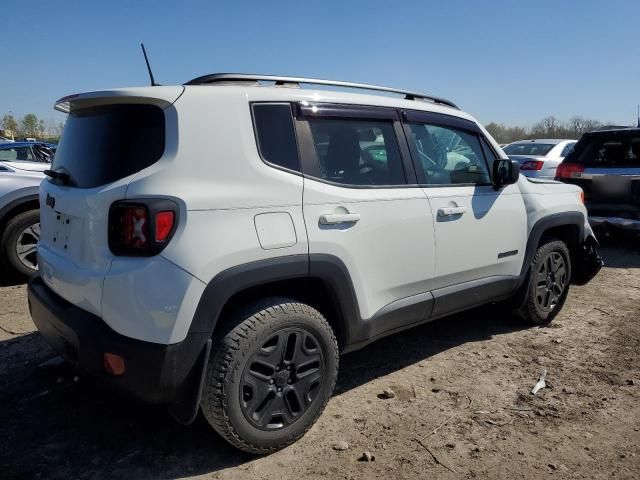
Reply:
x=357, y=151
x=106, y=143
x=275, y=135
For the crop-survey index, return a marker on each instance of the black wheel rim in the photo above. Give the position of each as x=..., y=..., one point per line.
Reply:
x=551, y=281
x=281, y=380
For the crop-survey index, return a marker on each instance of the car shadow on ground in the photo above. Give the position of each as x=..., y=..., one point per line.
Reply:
x=9, y=279
x=56, y=427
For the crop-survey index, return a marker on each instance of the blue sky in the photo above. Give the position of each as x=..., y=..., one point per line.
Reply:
x=507, y=61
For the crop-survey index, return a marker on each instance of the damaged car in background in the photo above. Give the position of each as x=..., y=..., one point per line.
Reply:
x=606, y=165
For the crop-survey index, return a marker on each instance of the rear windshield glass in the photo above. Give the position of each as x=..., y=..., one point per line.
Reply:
x=617, y=150
x=528, y=148
x=106, y=143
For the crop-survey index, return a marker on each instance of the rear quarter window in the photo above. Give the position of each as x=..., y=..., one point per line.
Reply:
x=103, y=144
x=275, y=135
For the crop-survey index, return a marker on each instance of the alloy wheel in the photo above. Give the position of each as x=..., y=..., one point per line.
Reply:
x=551, y=281
x=27, y=245
x=281, y=380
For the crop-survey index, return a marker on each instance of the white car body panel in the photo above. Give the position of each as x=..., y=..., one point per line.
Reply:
x=70, y=265
x=235, y=209
x=389, y=251
x=25, y=166
x=468, y=245
x=161, y=296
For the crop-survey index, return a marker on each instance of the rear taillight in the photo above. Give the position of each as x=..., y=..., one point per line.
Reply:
x=141, y=228
x=569, y=170
x=532, y=165
x=133, y=223
x=164, y=224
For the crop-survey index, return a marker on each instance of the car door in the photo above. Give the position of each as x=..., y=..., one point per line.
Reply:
x=480, y=232
x=363, y=207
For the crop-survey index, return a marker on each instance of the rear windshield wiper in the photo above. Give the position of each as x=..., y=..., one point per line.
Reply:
x=62, y=177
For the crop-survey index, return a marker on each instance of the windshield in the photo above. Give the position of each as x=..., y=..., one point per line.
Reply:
x=106, y=143
x=612, y=150
x=528, y=148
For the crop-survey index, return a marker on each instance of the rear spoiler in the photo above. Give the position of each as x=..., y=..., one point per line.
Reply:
x=161, y=96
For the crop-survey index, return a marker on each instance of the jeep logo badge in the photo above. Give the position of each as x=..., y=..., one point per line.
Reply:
x=50, y=201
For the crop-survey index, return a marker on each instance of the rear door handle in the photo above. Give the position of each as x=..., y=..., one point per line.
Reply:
x=334, y=218
x=450, y=211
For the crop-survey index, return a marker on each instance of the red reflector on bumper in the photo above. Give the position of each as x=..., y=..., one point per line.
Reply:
x=114, y=364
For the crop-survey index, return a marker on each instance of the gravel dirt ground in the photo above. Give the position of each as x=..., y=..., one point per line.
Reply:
x=462, y=406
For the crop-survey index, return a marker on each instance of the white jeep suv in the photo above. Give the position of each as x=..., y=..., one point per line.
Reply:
x=216, y=245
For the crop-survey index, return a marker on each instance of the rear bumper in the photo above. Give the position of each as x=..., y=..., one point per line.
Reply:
x=155, y=373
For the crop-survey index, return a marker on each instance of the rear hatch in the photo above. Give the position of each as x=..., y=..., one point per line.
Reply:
x=108, y=138
x=606, y=165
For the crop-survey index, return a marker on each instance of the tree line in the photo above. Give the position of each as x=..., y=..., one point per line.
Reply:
x=548, y=127
x=31, y=126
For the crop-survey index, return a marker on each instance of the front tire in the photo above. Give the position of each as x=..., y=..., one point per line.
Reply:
x=20, y=240
x=548, y=284
x=270, y=376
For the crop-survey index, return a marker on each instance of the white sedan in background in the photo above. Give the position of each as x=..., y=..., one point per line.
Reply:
x=539, y=158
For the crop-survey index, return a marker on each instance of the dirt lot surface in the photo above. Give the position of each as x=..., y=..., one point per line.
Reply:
x=462, y=406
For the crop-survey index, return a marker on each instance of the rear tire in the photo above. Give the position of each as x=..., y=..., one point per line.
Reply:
x=548, y=284
x=270, y=376
x=19, y=242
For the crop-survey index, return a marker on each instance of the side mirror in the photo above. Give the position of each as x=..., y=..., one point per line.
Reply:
x=505, y=172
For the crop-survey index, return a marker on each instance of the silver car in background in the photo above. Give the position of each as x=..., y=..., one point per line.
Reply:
x=539, y=158
x=19, y=215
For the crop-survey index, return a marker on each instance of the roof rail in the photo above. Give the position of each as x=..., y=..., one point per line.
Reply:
x=296, y=81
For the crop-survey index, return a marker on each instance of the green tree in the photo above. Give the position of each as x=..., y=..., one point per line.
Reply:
x=30, y=125
x=9, y=124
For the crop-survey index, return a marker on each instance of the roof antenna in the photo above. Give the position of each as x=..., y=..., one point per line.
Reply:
x=146, y=59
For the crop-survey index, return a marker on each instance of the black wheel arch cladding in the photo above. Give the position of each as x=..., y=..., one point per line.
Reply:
x=544, y=225
x=334, y=275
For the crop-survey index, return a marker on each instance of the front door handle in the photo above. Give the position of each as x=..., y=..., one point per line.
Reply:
x=450, y=211
x=335, y=218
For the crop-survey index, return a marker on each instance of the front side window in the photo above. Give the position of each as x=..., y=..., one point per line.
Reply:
x=449, y=155
x=357, y=152
x=275, y=135
x=20, y=154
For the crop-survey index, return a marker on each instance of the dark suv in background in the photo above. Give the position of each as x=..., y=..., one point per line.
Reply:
x=606, y=164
